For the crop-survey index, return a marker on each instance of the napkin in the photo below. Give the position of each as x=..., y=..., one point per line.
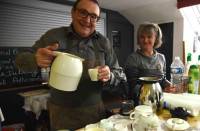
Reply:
x=185, y=100
x=35, y=101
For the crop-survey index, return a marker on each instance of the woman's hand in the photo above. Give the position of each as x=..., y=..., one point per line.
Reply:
x=44, y=56
x=170, y=89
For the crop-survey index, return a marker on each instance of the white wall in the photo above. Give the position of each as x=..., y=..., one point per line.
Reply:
x=191, y=25
x=178, y=38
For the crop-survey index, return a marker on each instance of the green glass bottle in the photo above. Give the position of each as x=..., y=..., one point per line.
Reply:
x=193, y=75
x=188, y=63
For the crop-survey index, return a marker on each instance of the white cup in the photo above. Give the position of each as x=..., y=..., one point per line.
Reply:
x=92, y=126
x=95, y=129
x=123, y=125
x=93, y=73
x=106, y=124
x=144, y=118
x=141, y=110
x=63, y=130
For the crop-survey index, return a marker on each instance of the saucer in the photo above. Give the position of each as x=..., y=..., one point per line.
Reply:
x=177, y=124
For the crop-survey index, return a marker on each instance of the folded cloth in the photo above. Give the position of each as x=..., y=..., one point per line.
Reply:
x=36, y=103
x=1, y=116
x=185, y=100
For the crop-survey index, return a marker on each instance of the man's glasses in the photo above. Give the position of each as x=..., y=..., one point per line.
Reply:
x=84, y=14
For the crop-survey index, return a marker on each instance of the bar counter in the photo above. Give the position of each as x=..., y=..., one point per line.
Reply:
x=165, y=115
x=193, y=121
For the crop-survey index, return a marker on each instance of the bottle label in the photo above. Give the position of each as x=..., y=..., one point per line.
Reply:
x=176, y=70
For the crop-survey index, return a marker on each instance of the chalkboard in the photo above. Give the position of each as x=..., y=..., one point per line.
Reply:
x=9, y=74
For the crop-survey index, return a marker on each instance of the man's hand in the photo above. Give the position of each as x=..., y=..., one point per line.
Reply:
x=104, y=73
x=44, y=56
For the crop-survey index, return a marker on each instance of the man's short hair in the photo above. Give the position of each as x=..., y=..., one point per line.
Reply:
x=77, y=1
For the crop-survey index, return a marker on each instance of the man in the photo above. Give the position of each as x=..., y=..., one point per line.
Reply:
x=73, y=110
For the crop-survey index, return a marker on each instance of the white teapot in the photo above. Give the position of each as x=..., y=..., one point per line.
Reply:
x=144, y=118
x=66, y=71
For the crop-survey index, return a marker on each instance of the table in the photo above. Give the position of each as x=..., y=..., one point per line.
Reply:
x=165, y=115
x=193, y=121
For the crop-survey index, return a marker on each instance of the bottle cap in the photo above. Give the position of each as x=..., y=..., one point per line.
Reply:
x=45, y=69
x=193, y=67
x=189, y=57
x=177, y=57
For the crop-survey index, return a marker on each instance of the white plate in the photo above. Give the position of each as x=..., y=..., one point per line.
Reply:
x=177, y=124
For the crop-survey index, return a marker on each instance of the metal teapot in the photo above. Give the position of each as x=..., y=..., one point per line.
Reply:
x=150, y=92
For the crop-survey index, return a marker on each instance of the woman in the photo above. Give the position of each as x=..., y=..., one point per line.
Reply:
x=146, y=61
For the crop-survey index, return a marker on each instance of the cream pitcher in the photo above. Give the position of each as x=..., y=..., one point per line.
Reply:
x=66, y=71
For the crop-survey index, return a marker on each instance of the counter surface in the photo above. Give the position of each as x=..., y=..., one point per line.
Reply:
x=193, y=121
x=165, y=115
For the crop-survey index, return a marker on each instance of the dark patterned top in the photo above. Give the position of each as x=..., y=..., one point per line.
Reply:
x=139, y=65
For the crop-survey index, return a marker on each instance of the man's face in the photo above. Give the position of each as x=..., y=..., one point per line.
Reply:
x=83, y=23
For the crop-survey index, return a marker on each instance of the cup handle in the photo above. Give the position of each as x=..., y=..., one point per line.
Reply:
x=132, y=115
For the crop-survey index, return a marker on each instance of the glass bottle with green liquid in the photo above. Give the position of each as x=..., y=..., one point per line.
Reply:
x=188, y=63
x=193, y=75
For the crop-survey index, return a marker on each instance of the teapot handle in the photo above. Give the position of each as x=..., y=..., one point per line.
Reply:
x=136, y=93
x=139, y=84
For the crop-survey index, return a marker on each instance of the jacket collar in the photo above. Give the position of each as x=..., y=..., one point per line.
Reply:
x=71, y=31
x=154, y=53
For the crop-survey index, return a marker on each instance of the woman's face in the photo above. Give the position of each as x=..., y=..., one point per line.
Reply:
x=147, y=41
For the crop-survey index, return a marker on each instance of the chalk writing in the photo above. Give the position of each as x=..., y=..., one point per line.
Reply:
x=9, y=74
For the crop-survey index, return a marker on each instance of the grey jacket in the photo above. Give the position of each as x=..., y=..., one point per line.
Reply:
x=96, y=50
x=137, y=65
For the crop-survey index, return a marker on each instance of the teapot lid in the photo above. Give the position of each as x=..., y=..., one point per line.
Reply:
x=65, y=53
x=149, y=79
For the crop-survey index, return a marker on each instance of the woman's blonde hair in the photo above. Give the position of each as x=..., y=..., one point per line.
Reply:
x=148, y=28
